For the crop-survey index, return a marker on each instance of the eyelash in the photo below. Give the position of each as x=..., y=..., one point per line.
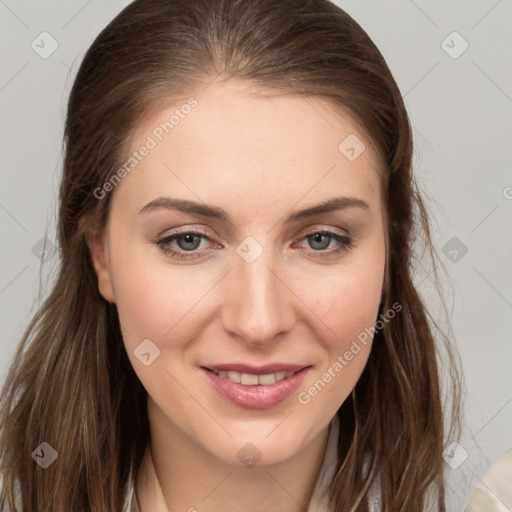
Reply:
x=346, y=242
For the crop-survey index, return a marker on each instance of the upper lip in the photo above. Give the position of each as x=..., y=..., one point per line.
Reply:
x=256, y=370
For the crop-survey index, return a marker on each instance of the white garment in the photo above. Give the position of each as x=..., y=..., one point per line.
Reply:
x=494, y=492
x=318, y=501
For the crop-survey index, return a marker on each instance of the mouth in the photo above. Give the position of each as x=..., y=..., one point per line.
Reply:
x=255, y=387
x=255, y=377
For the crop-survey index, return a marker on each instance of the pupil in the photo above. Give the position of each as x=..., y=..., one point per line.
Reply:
x=188, y=239
x=317, y=238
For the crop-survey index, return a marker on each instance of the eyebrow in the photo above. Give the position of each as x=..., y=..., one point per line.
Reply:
x=186, y=206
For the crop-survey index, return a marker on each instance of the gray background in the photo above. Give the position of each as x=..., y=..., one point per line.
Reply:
x=459, y=106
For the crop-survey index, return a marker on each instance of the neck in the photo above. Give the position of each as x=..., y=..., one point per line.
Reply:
x=177, y=474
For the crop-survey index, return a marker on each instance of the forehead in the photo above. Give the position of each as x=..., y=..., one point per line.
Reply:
x=249, y=141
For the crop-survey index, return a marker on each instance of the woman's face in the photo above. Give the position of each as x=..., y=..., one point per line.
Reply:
x=246, y=280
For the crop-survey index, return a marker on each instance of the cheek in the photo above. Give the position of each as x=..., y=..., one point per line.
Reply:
x=347, y=304
x=157, y=308
x=153, y=300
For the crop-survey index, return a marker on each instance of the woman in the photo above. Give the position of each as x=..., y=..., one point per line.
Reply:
x=234, y=323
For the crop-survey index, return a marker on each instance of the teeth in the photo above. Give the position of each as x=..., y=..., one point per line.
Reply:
x=270, y=378
x=248, y=379
x=234, y=376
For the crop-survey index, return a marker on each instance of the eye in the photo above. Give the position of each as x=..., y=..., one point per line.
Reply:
x=319, y=241
x=188, y=243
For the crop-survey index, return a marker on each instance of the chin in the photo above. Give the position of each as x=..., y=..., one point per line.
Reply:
x=256, y=450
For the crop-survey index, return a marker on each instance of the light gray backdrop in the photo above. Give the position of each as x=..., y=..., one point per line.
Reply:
x=452, y=63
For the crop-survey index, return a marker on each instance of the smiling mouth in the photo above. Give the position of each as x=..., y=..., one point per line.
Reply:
x=255, y=387
x=250, y=379
x=265, y=378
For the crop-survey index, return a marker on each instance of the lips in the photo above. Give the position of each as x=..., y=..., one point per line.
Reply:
x=255, y=370
x=255, y=387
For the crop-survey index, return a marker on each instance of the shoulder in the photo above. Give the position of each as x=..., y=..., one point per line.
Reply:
x=494, y=493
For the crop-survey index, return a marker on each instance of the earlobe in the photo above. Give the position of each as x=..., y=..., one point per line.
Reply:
x=99, y=259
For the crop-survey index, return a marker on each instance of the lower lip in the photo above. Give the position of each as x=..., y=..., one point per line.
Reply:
x=259, y=396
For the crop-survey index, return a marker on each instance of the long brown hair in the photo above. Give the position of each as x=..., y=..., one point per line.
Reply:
x=71, y=383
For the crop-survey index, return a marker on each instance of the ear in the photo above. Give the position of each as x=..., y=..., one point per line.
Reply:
x=99, y=255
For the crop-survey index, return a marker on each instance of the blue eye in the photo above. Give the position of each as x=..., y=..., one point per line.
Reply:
x=188, y=243
x=319, y=237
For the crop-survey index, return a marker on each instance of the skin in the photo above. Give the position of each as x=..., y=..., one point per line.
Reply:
x=259, y=158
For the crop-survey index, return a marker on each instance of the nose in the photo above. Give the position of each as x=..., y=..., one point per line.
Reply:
x=259, y=302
